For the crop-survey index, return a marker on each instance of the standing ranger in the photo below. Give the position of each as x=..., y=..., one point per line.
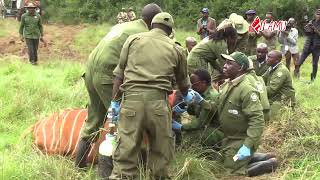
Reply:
x=98, y=77
x=148, y=64
x=31, y=31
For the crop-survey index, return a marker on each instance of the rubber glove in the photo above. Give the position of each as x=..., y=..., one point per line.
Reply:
x=178, y=110
x=189, y=97
x=115, y=106
x=176, y=125
x=243, y=153
x=197, y=97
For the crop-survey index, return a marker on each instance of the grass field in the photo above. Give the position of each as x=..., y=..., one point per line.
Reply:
x=29, y=93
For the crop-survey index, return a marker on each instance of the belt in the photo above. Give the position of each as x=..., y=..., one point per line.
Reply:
x=145, y=95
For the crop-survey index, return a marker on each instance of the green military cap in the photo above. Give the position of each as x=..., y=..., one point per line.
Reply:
x=238, y=57
x=241, y=25
x=163, y=18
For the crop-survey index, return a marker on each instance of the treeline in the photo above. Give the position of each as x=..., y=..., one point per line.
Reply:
x=185, y=12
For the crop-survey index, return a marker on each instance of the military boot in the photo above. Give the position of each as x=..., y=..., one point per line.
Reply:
x=312, y=77
x=82, y=153
x=262, y=167
x=261, y=157
x=105, y=167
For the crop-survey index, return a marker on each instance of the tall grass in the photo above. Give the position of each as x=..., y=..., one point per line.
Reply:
x=29, y=93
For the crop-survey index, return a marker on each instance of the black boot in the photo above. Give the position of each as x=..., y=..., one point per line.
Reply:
x=82, y=153
x=261, y=157
x=105, y=166
x=262, y=167
x=312, y=77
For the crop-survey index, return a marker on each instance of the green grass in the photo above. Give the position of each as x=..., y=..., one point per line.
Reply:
x=7, y=27
x=29, y=93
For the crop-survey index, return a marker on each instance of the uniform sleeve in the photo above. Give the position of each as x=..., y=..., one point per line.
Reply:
x=242, y=44
x=22, y=25
x=275, y=84
x=252, y=109
x=192, y=64
x=181, y=70
x=40, y=26
x=205, y=113
x=119, y=70
x=199, y=26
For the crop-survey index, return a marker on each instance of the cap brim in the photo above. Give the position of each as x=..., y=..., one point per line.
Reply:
x=228, y=57
x=244, y=29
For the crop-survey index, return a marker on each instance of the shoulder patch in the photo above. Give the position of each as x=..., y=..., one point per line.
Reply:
x=254, y=97
x=259, y=87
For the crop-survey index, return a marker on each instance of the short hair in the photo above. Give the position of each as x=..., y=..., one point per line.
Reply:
x=190, y=38
x=262, y=46
x=203, y=75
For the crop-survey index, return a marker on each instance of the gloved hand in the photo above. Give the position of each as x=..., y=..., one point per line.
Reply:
x=178, y=110
x=197, y=97
x=189, y=97
x=115, y=106
x=243, y=153
x=176, y=125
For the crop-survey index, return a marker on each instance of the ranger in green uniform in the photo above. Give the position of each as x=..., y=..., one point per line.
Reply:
x=241, y=115
x=148, y=64
x=278, y=80
x=204, y=126
x=209, y=49
x=31, y=30
x=98, y=77
x=259, y=60
x=242, y=27
x=260, y=86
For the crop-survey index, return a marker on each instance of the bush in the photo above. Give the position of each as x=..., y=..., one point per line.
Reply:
x=185, y=12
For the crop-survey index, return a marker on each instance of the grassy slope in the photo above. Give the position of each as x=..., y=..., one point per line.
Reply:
x=28, y=93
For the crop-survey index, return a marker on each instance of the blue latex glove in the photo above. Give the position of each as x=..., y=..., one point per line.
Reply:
x=115, y=119
x=115, y=106
x=176, y=125
x=243, y=153
x=197, y=97
x=178, y=110
x=189, y=97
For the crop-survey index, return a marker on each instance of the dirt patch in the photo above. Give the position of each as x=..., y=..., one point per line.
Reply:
x=59, y=40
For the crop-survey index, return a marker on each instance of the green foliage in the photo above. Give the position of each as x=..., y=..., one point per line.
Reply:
x=185, y=12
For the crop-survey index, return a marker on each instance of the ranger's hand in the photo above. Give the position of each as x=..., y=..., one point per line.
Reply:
x=176, y=126
x=197, y=97
x=179, y=109
x=189, y=97
x=115, y=106
x=243, y=153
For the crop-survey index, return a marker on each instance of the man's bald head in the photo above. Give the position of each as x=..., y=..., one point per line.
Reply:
x=148, y=12
x=190, y=43
x=274, y=57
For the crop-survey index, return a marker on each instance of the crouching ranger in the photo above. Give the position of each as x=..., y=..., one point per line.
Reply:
x=278, y=80
x=241, y=119
x=204, y=126
x=260, y=86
